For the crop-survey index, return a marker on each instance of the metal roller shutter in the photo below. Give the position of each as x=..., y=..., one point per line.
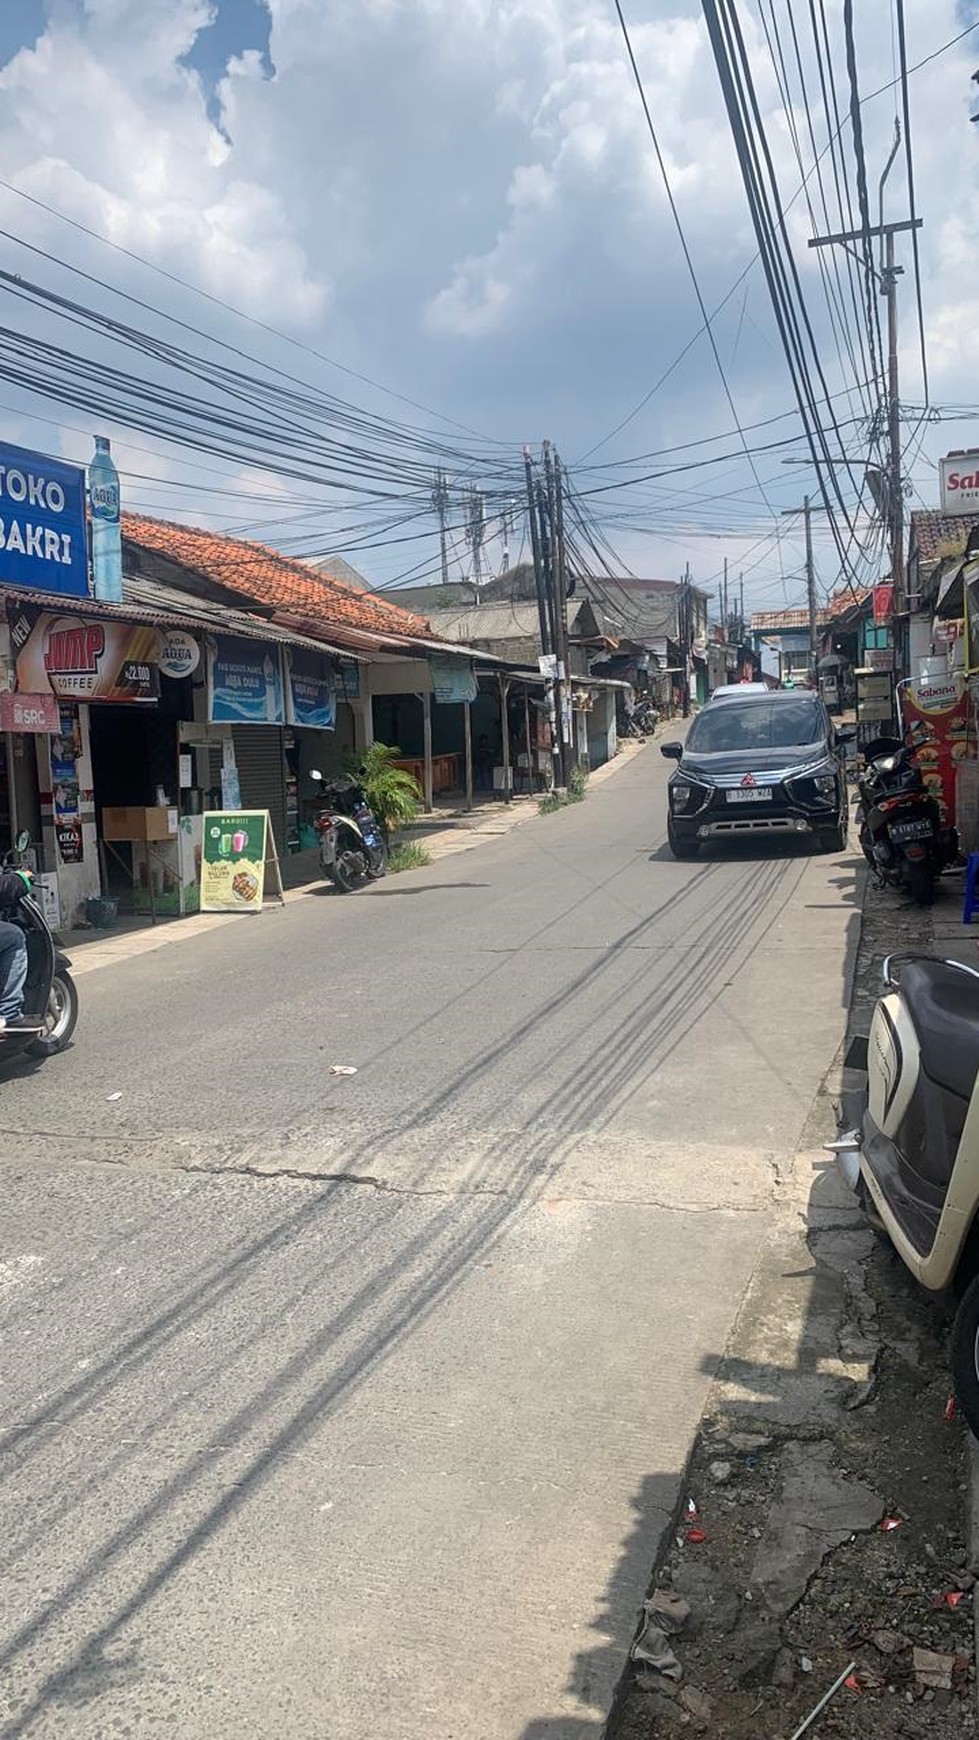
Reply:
x=261, y=773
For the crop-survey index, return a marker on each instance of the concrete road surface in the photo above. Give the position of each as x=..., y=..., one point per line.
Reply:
x=337, y=1406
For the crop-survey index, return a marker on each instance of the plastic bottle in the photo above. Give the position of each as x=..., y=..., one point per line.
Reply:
x=103, y=495
x=270, y=674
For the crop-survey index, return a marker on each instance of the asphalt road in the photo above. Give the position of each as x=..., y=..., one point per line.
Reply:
x=348, y=1405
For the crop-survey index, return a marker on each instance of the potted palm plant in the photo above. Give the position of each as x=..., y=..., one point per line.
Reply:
x=393, y=794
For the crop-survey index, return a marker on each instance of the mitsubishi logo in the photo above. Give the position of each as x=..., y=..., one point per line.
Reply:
x=748, y=781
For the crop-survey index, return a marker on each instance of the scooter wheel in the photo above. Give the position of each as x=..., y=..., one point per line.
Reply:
x=965, y=1355
x=62, y=1014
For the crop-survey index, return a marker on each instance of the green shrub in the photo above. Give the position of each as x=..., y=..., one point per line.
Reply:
x=407, y=856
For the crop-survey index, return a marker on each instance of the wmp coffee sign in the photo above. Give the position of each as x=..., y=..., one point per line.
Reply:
x=83, y=658
x=42, y=523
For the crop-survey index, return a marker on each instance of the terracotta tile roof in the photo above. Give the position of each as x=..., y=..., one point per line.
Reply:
x=765, y=620
x=931, y=528
x=839, y=604
x=267, y=577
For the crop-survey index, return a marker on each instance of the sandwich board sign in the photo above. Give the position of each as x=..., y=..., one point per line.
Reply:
x=235, y=848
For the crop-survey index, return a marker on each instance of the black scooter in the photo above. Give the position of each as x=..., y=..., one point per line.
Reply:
x=50, y=997
x=353, y=849
x=901, y=832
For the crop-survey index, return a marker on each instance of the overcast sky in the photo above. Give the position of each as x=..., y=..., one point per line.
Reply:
x=459, y=200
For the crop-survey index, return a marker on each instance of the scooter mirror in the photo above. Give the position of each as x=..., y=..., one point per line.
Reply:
x=23, y=840
x=314, y=773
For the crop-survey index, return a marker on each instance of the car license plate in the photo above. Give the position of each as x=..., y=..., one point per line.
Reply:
x=900, y=831
x=750, y=794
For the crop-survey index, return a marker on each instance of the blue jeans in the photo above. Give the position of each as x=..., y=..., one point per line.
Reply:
x=13, y=970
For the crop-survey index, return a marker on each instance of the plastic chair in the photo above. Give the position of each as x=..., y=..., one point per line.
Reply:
x=971, y=903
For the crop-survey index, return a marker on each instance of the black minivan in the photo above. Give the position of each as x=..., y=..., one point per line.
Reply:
x=759, y=764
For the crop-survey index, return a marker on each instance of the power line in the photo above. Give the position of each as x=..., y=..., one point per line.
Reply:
x=909, y=159
x=683, y=240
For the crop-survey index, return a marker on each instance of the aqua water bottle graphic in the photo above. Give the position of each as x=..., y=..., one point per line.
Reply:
x=270, y=672
x=103, y=496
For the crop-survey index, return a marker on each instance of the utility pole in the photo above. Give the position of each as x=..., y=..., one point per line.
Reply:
x=543, y=616
x=475, y=532
x=507, y=525
x=806, y=511
x=742, y=625
x=887, y=280
x=440, y=502
x=558, y=593
x=685, y=625
x=724, y=614
x=546, y=534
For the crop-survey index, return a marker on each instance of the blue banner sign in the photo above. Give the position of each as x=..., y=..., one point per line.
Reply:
x=452, y=678
x=311, y=697
x=245, y=685
x=42, y=523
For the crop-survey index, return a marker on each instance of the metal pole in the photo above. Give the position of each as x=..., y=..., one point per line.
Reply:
x=504, y=719
x=556, y=690
x=440, y=502
x=561, y=591
x=467, y=724
x=530, y=743
x=894, y=425
x=427, y=740
x=811, y=592
x=11, y=787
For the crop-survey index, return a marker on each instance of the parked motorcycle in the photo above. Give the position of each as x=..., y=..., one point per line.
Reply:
x=353, y=849
x=913, y=1158
x=50, y=997
x=900, y=826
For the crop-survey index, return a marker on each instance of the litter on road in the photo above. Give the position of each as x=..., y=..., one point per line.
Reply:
x=824, y=1700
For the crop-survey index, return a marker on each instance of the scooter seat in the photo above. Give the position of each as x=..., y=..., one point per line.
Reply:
x=943, y=1003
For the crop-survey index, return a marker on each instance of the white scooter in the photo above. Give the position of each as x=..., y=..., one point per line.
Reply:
x=914, y=1159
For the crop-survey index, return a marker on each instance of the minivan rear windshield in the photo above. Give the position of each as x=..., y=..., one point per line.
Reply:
x=755, y=725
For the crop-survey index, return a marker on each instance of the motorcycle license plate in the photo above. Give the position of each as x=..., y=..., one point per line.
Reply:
x=901, y=831
x=750, y=794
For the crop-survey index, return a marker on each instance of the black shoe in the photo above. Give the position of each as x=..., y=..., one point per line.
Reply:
x=18, y=1024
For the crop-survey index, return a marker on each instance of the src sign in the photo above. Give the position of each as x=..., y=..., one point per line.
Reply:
x=79, y=658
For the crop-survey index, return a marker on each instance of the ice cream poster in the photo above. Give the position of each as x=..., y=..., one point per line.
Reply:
x=244, y=682
x=233, y=860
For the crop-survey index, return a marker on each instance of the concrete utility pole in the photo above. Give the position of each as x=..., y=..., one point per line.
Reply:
x=724, y=614
x=742, y=625
x=806, y=511
x=543, y=614
x=887, y=279
x=685, y=628
x=440, y=502
x=559, y=607
x=475, y=533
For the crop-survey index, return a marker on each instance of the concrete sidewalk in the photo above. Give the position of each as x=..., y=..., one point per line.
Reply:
x=90, y=949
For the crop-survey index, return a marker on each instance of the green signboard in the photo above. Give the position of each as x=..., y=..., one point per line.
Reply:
x=233, y=860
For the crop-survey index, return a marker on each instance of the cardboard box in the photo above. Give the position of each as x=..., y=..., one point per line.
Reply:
x=132, y=822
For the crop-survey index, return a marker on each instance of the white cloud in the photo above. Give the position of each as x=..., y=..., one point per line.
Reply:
x=460, y=197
